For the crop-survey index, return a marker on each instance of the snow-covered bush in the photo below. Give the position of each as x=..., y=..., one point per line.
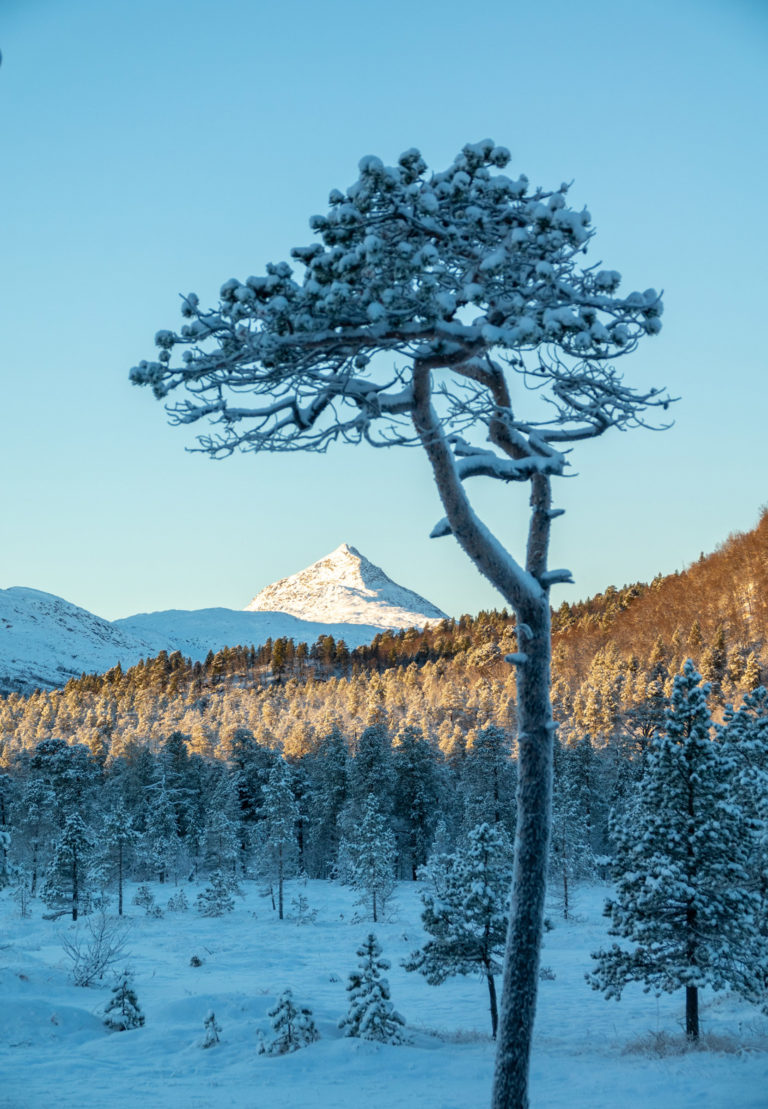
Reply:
x=293, y=1027
x=123, y=1011
x=371, y=1015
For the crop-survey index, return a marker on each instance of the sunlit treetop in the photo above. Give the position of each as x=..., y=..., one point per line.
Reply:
x=467, y=273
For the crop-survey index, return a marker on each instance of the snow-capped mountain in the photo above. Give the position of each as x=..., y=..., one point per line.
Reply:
x=344, y=587
x=45, y=640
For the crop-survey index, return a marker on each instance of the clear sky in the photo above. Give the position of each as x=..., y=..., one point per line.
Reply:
x=155, y=147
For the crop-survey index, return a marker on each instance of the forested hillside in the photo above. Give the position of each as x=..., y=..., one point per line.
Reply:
x=614, y=659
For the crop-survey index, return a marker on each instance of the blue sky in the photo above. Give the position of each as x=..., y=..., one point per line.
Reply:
x=158, y=147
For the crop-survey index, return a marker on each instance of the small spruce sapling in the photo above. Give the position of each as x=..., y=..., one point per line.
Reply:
x=216, y=899
x=177, y=902
x=212, y=1030
x=371, y=1015
x=294, y=1027
x=123, y=1011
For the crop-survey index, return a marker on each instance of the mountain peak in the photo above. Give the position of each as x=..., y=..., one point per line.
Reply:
x=344, y=587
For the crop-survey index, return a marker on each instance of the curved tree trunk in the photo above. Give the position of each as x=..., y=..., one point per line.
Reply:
x=526, y=922
x=527, y=591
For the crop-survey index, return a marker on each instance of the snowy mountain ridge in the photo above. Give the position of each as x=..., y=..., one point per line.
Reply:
x=345, y=587
x=45, y=640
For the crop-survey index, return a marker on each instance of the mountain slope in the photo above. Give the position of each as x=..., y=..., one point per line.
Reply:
x=45, y=640
x=345, y=587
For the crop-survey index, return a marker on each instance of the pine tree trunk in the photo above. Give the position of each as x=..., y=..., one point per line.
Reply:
x=692, y=1012
x=280, y=882
x=492, y=1002
x=120, y=878
x=526, y=923
x=75, y=888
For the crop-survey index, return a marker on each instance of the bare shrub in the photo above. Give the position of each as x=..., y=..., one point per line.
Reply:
x=95, y=947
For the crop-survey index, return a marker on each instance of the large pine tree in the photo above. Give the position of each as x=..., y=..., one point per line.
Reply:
x=683, y=894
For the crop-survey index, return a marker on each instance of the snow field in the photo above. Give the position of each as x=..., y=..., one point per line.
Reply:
x=55, y=1051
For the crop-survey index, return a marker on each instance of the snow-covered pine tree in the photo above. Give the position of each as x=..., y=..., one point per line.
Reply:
x=369, y=853
x=162, y=848
x=683, y=892
x=570, y=849
x=280, y=814
x=222, y=833
x=212, y=1030
x=489, y=777
x=123, y=1011
x=371, y=1015
x=419, y=785
x=216, y=899
x=293, y=1026
x=467, y=918
x=68, y=878
x=472, y=284
x=371, y=770
x=117, y=838
x=328, y=792
x=744, y=738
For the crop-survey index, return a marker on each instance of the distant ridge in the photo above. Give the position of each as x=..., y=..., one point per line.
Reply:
x=45, y=640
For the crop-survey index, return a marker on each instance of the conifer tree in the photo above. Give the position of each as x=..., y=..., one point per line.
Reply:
x=683, y=894
x=280, y=814
x=328, y=793
x=216, y=899
x=744, y=738
x=212, y=1030
x=118, y=837
x=570, y=849
x=123, y=1011
x=418, y=792
x=466, y=915
x=488, y=780
x=371, y=1015
x=369, y=858
x=293, y=1026
x=68, y=878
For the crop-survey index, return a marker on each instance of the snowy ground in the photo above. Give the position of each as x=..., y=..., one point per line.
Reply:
x=54, y=1050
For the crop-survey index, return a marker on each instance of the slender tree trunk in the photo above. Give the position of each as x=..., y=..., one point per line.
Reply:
x=528, y=593
x=75, y=888
x=492, y=1002
x=280, y=882
x=120, y=879
x=526, y=923
x=692, y=1012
